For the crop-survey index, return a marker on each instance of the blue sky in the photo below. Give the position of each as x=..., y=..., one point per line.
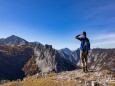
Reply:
x=57, y=22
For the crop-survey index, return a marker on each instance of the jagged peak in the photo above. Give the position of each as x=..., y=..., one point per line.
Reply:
x=48, y=46
x=14, y=36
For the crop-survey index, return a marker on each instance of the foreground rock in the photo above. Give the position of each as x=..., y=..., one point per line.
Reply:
x=68, y=78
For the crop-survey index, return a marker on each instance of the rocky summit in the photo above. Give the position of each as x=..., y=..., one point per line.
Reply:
x=68, y=78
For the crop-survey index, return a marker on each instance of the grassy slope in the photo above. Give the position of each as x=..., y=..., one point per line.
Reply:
x=63, y=79
x=42, y=82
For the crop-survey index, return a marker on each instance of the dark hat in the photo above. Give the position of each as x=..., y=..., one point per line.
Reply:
x=84, y=33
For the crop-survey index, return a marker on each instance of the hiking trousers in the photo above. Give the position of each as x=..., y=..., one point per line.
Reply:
x=83, y=56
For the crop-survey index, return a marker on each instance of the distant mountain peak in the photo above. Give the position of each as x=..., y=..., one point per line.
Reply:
x=67, y=51
x=13, y=40
x=14, y=36
x=66, y=48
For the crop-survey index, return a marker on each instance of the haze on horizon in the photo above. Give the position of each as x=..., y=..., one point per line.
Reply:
x=58, y=22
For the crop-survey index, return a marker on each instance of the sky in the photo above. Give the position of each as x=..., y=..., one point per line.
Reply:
x=57, y=22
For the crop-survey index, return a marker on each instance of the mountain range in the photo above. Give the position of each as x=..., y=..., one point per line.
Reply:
x=98, y=58
x=20, y=58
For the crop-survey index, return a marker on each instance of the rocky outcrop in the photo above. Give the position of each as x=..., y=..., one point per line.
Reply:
x=48, y=60
x=68, y=78
x=100, y=59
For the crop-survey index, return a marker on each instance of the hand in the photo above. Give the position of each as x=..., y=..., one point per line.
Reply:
x=81, y=34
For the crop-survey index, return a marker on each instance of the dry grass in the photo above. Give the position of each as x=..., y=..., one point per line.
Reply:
x=54, y=79
x=42, y=82
x=106, y=72
x=113, y=76
x=113, y=84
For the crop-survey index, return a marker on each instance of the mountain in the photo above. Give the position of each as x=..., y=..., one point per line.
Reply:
x=66, y=50
x=21, y=57
x=76, y=55
x=46, y=60
x=12, y=60
x=100, y=59
x=68, y=54
x=13, y=41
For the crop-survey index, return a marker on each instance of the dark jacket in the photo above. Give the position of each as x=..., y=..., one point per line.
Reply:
x=83, y=41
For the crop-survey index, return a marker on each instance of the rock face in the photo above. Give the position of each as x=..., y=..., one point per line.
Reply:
x=98, y=59
x=102, y=59
x=48, y=60
x=67, y=51
x=68, y=54
x=13, y=41
x=12, y=60
x=76, y=55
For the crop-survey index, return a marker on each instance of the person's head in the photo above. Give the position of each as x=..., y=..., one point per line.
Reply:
x=84, y=33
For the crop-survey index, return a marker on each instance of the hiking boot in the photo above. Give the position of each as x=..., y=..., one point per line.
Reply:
x=86, y=69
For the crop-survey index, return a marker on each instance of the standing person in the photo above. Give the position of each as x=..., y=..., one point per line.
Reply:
x=84, y=49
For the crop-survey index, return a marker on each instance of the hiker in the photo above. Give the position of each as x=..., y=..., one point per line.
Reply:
x=84, y=49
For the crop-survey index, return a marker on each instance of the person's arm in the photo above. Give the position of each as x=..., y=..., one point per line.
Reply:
x=77, y=37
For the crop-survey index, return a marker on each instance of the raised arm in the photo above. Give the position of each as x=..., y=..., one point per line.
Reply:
x=77, y=37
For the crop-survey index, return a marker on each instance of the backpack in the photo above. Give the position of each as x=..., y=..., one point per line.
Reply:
x=86, y=46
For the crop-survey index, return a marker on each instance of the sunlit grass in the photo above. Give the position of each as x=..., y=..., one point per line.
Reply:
x=58, y=79
x=42, y=82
